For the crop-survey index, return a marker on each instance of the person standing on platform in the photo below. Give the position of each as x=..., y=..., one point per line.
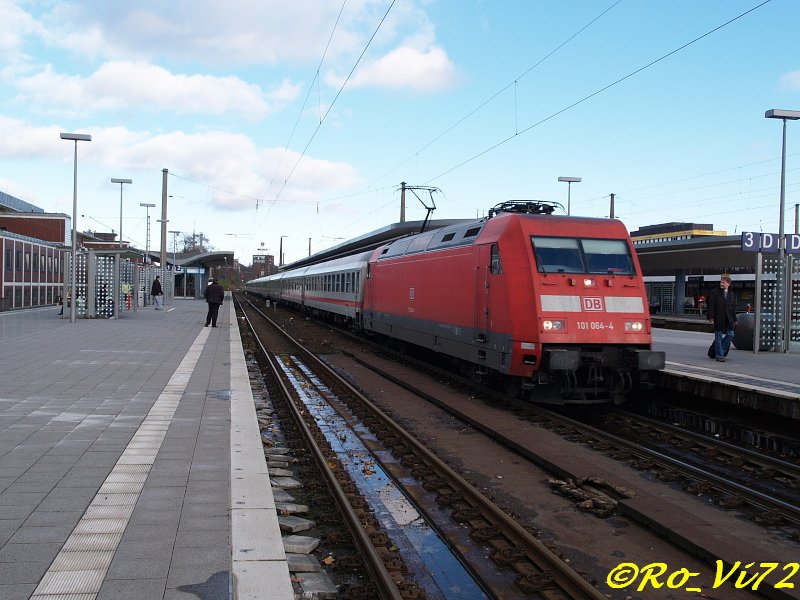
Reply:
x=126, y=294
x=722, y=313
x=157, y=293
x=214, y=295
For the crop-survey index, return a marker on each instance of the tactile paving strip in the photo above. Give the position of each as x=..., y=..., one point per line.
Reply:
x=96, y=536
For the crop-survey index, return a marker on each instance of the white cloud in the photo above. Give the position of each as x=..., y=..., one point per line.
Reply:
x=406, y=68
x=790, y=81
x=122, y=84
x=16, y=24
x=217, y=159
x=243, y=32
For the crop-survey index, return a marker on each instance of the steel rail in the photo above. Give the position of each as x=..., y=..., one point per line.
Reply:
x=753, y=456
x=387, y=588
x=566, y=578
x=756, y=498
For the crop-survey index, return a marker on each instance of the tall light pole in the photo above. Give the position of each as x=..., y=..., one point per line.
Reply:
x=174, y=260
x=163, y=258
x=280, y=251
x=147, y=207
x=569, y=181
x=174, y=246
x=784, y=115
x=120, y=182
x=74, y=137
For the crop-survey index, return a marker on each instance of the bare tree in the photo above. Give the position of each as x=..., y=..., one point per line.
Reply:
x=194, y=244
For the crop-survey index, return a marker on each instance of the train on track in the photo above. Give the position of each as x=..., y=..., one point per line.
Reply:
x=554, y=307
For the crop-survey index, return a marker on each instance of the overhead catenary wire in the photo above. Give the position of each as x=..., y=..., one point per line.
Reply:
x=596, y=92
x=305, y=100
x=330, y=107
x=370, y=188
x=500, y=91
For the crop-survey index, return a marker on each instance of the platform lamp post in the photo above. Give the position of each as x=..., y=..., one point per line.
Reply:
x=280, y=251
x=147, y=207
x=569, y=181
x=174, y=246
x=784, y=115
x=74, y=137
x=164, y=247
x=120, y=182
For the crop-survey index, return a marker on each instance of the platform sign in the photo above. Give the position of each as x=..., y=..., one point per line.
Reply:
x=793, y=243
x=753, y=241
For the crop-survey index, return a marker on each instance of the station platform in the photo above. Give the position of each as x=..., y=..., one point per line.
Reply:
x=131, y=462
x=765, y=381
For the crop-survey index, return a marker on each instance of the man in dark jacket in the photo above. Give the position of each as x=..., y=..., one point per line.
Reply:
x=214, y=296
x=157, y=293
x=722, y=312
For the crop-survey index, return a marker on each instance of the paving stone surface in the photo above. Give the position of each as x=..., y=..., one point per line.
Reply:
x=145, y=500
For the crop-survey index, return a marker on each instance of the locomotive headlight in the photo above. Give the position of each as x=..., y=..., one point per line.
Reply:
x=634, y=326
x=554, y=325
x=588, y=282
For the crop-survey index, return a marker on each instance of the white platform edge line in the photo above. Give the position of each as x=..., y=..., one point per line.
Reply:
x=729, y=383
x=245, y=434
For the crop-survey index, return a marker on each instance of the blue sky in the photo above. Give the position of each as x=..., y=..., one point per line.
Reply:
x=300, y=119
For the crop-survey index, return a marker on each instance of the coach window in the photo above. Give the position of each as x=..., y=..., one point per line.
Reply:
x=18, y=263
x=9, y=262
x=496, y=267
x=35, y=262
x=27, y=262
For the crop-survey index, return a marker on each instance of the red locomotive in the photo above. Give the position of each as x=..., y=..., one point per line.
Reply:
x=555, y=306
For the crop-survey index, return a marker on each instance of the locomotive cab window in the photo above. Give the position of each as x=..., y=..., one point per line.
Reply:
x=557, y=255
x=608, y=256
x=574, y=255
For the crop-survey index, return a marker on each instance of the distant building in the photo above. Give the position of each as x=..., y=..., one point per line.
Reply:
x=33, y=245
x=667, y=232
x=263, y=265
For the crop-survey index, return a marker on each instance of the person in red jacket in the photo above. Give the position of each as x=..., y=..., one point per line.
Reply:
x=214, y=295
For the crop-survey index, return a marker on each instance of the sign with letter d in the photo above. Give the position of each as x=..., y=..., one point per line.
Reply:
x=793, y=243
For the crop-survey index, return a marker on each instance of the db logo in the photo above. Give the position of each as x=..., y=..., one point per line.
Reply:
x=592, y=303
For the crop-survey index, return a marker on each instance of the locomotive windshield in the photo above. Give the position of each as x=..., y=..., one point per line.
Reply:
x=576, y=255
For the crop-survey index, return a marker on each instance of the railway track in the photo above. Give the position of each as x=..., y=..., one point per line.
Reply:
x=603, y=499
x=739, y=478
x=771, y=505
x=745, y=475
x=521, y=565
